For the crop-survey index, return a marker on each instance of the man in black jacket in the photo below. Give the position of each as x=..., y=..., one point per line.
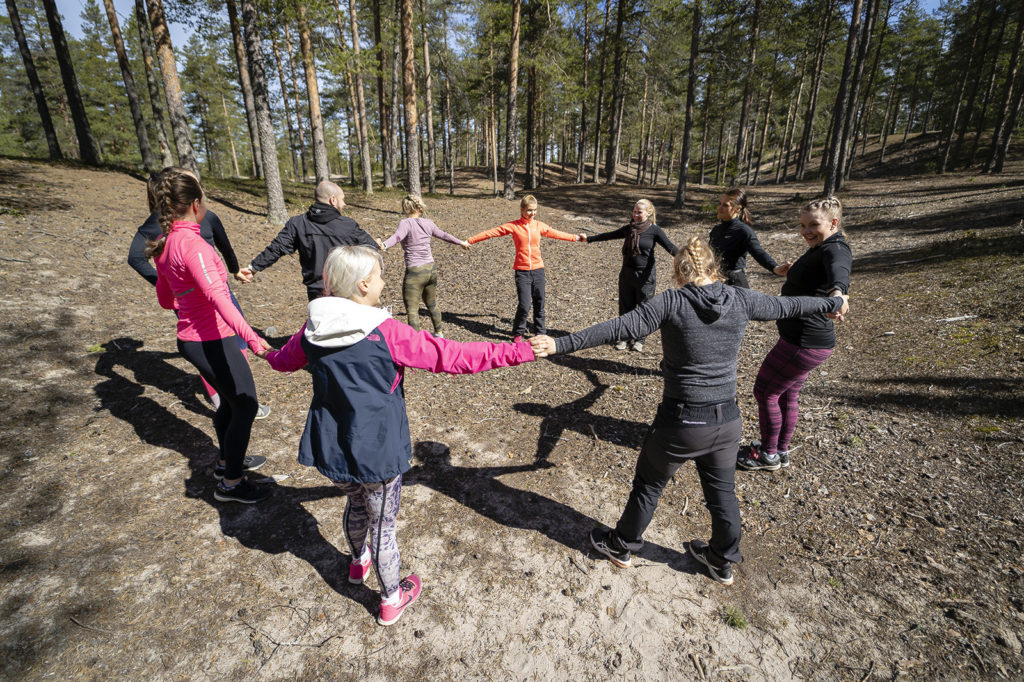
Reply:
x=313, y=234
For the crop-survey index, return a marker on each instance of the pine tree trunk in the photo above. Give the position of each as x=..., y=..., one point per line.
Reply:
x=397, y=155
x=412, y=138
x=246, y=86
x=581, y=143
x=865, y=113
x=298, y=103
x=890, y=106
x=704, y=130
x=321, y=167
x=643, y=123
x=981, y=114
x=531, y=126
x=1011, y=101
x=806, y=137
x=830, y=160
x=428, y=104
x=231, y=136
x=511, y=122
x=958, y=98
x=691, y=98
x=492, y=151
x=748, y=89
x=449, y=157
x=350, y=107
x=363, y=128
x=600, y=90
x=172, y=87
x=767, y=118
x=129, y=87
x=975, y=82
x=384, y=113
x=615, y=129
x=33, y=80
x=849, y=118
x=276, y=211
x=287, y=109
x=152, y=83
x=88, y=149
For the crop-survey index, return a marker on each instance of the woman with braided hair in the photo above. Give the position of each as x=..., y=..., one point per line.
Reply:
x=192, y=279
x=733, y=238
x=637, y=277
x=805, y=343
x=702, y=323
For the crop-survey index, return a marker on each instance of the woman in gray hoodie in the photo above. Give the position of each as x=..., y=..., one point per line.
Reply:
x=702, y=324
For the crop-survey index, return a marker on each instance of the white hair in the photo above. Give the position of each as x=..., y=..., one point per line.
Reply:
x=346, y=266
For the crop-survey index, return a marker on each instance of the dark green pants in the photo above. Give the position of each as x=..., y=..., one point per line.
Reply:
x=421, y=284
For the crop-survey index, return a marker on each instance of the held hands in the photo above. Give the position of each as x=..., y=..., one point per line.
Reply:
x=841, y=315
x=244, y=275
x=466, y=245
x=380, y=244
x=264, y=349
x=781, y=270
x=581, y=237
x=543, y=345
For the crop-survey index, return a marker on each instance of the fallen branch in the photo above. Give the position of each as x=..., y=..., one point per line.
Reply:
x=89, y=627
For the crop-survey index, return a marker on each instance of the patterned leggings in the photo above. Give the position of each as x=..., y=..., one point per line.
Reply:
x=420, y=283
x=370, y=516
x=777, y=390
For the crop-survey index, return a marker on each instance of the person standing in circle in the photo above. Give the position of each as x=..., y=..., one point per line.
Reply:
x=637, y=278
x=733, y=238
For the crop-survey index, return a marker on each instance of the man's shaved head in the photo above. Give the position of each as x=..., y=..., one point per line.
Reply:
x=326, y=191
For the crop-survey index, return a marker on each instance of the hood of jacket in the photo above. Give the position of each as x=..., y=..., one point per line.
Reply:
x=322, y=213
x=709, y=301
x=338, y=322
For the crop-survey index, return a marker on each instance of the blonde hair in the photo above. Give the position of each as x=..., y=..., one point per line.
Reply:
x=649, y=207
x=346, y=266
x=696, y=262
x=413, y=204
x=527, y=201
x=829, y=206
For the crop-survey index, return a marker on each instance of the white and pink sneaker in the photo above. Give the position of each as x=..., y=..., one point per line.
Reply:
x=359, y=569
x=408, y=592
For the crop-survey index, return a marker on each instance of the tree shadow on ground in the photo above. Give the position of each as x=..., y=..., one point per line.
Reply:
x=986, y=215
x=479, y=489
x=940, y=255
x=277, y=525
x=964, y=397
x=18, y=199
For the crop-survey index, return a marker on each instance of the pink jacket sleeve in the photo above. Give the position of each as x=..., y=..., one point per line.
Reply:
x=411, y=348
x=200, y=262
x=291, y=357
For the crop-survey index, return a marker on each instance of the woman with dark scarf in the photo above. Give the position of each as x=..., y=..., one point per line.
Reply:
x=733, y=238
x=637, y=277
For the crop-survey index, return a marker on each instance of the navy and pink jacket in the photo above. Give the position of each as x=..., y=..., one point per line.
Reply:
x=192, y=279
x=357, y=429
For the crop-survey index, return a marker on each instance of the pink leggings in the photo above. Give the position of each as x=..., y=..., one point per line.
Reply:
x=777, y=390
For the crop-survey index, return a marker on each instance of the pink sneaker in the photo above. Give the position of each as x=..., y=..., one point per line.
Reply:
x=409, y=591
x=358, y=571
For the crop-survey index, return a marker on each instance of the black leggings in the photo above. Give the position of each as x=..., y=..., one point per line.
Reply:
x=226, y=369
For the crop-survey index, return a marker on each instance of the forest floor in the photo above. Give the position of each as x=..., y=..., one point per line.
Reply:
x=892, y=547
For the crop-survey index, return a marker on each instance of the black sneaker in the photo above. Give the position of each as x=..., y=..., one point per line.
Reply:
x=783, y=459
x=604, y=543
x=700, y=551
x=753, y=458
x=250, y=463
x=243, y=492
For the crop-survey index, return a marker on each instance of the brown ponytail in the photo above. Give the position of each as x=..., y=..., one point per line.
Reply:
x=696, y=262
x=738, y=196
x=174, y=190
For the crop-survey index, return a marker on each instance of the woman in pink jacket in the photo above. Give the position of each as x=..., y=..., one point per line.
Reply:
x=191, y=279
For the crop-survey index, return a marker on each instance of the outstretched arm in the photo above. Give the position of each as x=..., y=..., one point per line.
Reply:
x=661, y=238
x=760, y=255
x=137, y=258
x=638, y=323
x=283, y=244
x=606, y=236
x=411, y=348
x=291, y=357
x=499, y=231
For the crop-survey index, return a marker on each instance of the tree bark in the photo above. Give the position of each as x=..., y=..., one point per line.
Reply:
x=865, y=113
x=33, y=80
x=172, y=87
x=321, y=167
x=959, y=96
x=363, y=128
x=287, y=109
x=830, y=160
x=691, y=97
x=397, y=157
x=412, y=138
x=88, y=149
x=890, y=105
x=748, y=89
x=704, y=128
x=975, y=82
x=981, y=114
x=581, y=145
x=492, y=150
x=276, y=211
x=155, y=96
x=129, y=88
x=614, y=132
x=428, y=104
x=298, y=103
x=511, y=117
x=231, y=136
x=806, y=137
x=600, y=90
x=384, y=114
x=531, y=127
x=246, y=86
x=767, y=118
x=1007, y=118
x=846, y=139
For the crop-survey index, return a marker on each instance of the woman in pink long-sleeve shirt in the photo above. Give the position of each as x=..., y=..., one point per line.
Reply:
x=420, y=283
x=191, y=279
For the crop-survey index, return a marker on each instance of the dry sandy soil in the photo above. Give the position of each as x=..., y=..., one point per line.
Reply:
x=892, y=547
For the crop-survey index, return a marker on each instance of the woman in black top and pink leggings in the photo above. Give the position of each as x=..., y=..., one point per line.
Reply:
x=804, y=343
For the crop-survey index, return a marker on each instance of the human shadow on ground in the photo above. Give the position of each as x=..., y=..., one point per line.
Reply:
x=277, y=525
x=479, y=489
x=575, y=415
x=499, y=328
